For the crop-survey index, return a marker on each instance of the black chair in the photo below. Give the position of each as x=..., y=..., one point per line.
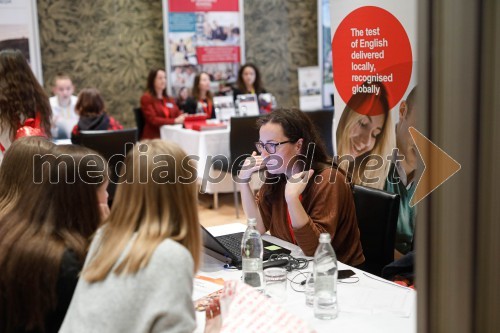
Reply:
x=377, y=213
x=113, y=146
x=139, y=121
x=242, y=137
x=323, y=120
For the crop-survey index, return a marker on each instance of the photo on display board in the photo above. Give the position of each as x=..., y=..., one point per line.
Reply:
x=217, y=28
x=182, y=49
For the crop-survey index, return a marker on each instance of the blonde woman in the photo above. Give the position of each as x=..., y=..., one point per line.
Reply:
x=138, y=276
x=366, y=133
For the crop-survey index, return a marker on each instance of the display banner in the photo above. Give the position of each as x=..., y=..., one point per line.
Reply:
x=325, y=52
x=374, y=68
x=202, y=35
x=19, y=30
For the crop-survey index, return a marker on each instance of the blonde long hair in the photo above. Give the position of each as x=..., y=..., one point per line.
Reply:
x=385, y=143
x=153, y=208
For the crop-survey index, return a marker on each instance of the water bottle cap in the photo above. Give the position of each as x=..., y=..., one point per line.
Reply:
x=252, y=222
x=325, y=238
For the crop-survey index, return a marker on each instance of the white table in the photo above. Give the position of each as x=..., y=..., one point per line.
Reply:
x=203, y=145
x=349, y=320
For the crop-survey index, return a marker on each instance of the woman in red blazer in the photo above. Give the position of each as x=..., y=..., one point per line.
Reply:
x=157, y=107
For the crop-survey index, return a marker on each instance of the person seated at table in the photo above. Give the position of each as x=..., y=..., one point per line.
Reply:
x=44, y=238
x=182, y=97
x=64, y=116
x=93, y=117
x=202, y=99
x=304, y=193
x=157, y=107
x=138, y=275
x=249, y=81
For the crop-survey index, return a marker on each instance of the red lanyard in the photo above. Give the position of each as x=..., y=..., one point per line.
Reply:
x=207, y=107
x=290, y=228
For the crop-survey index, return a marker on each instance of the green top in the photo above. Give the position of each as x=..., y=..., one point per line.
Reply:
x=407, y=214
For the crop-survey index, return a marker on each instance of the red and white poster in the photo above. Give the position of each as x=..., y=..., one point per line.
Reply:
x=374, y=56
x=203, y=35
x=374, y=69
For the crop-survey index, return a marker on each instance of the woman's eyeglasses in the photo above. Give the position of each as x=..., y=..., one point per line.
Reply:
x=270, y=147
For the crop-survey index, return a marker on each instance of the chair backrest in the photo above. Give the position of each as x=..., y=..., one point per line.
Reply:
x=139, y=121
x=323, y=120
x=244, y=133
x=113, y=146
x=377, y=213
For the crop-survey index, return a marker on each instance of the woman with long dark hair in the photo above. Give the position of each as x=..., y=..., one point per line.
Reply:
x=24, y=105
x=44, y=239
x=202, y=98
x=304, y=193
x=157, y=107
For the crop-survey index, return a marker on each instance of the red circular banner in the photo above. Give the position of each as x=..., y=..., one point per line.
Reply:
x=372, y=60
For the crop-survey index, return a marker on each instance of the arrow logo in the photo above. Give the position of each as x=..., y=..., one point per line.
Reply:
x=438, y=166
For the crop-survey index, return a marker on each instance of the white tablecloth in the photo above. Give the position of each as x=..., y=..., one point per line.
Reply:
x=203, y=145
x=371, y=294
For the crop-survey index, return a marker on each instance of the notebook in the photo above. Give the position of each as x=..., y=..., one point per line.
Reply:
x=227, y=248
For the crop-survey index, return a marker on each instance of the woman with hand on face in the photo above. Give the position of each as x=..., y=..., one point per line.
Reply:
x=157, y=107
x=304, y=193
x=366, y=132
x=202, y=99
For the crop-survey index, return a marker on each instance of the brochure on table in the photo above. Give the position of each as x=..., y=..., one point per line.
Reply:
x=224, y=107
x=310, y=88
x=247, y=105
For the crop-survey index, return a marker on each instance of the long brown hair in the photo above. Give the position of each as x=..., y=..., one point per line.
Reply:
x=53, y=217
x=297, y=125
x=16, y=173
x=257, y=85
x=153, y=208
x=21, y=96
x=150, y=85
x=196, y=87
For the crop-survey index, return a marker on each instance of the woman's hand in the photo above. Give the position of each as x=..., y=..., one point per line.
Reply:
x=104, y=211
x=296, y=184
x=252, y=164
x=180, y=119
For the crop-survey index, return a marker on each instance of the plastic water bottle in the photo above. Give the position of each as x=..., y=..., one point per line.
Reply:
x=252, y=251
x=325, y=279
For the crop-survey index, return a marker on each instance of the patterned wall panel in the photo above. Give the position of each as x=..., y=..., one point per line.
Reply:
x=112, y=44
x=281, y=35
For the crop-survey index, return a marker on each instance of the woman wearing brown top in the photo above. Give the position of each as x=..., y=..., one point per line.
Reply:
x=304, y=194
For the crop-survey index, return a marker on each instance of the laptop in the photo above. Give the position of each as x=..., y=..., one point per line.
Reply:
x=227, y=248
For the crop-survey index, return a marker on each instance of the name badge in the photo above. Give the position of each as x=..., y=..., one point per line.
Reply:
x=170, y=105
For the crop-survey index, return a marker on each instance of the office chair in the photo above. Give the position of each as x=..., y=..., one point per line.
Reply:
x=377, y=213
x=113, y=146
x=139, y=121
x=242, y=137
x=323, y=120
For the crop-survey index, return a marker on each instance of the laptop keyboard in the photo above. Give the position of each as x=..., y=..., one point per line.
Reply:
x=233, y=243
